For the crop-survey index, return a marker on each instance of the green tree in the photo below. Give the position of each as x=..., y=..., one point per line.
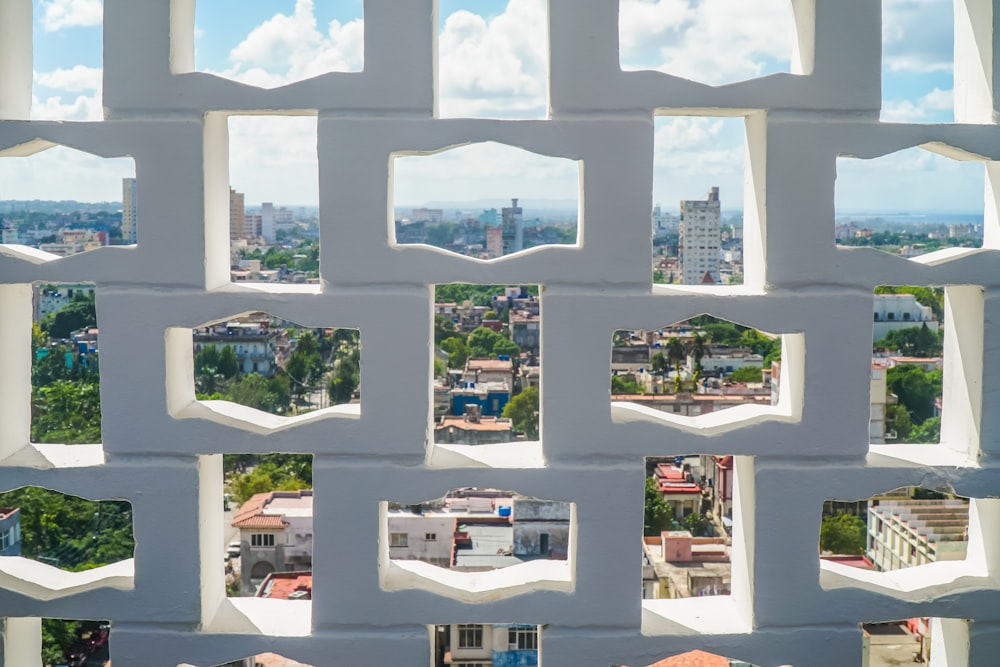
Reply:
x=273, y=472
x=657, y=515
x=228, y=366
x=346, y=379
x=625, y=384
x=913, y=341
x=66, y=412
x=843, y=534
x=899, y=417
x=79, y=313
x=928, y=432
x=697, y=524
x=522, y=410
x=267, y=394
x=747, y=374
x=658, y=363
x=915, y=388
x=676, y=353
x=457, y=350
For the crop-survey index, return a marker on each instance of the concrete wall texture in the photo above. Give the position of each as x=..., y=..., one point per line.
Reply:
x=162, y=449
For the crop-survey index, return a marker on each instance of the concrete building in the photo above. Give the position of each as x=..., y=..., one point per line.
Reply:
x=900, y=311
x=476, y=645
x=679, y=489
x=130, y=211
x=683, y=566
x=50, y=298
x=10, y=531
x=252, y=223
x=494, y=242
x=237, y=215
x=525, y=330
x=254, y=341
x=513, y=228
x=267, y=223
x=8, y=233
x=720, y=360
x=430, y=215
x=541, y=528
x=471, y=429
x=906, y=532
x=700, y=239
x=276, y=535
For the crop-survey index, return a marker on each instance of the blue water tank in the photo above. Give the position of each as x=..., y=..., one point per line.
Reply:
x=503, y=510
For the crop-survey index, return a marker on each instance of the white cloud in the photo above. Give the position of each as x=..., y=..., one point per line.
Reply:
x=273, y=158
x=693, y=154
x=928, y=107
x=496, y=67
x=76, y=80
x=484, y=171
x=59, y=14
x=285, y=48
x=63, y=173
x=918, y=35
x=683, y=37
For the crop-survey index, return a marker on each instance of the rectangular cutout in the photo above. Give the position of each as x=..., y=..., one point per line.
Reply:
x=273, y=200
x=478, y=644
x=268, y=525
x=68, y=61
x=918, y=58
x=493, y=59
x=65, y=371
x=487, y=367
x=700, y=242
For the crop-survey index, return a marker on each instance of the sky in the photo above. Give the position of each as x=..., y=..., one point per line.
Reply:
x=493, y=63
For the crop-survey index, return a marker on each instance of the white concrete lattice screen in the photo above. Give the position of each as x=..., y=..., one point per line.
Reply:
x=164, y=455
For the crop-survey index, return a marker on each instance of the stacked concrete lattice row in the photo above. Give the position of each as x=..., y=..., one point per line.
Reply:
x=162, y=450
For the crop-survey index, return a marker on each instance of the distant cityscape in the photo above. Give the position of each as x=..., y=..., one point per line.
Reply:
x=486, y=380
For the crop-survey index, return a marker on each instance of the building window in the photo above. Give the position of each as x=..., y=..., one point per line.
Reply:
x=430, y=537
x=470, y=636
x=397, y=540
x=522, y=639
x=262, y=540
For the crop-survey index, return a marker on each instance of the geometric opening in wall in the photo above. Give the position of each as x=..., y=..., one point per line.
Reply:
x=696, y=242
x=475, y=544
x=272, y=372
x=269, y=45
x=273, y=197
x=918, y=61
x=677, y=38
x=907, y=364
x=695, y=549
x=74, y=642
x=268, y=525
x=269, y=659
x=687, y=527
x=925, y=203
x=699, y=658
x=485, y=201
x=487, y=368
x=65, y=372
x=492, y=59
x=63, y=202
x=912, y=543
x=67, y=48
x=485, y=644
x=906, y=527
x=54, y=544
x=915, y=640
x=686, y=373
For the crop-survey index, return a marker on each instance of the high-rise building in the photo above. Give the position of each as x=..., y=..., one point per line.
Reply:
x=237, y=215
x=700, y=239
x=267, y=222
x=494, y=242
x=130, y=211
x=513, y=228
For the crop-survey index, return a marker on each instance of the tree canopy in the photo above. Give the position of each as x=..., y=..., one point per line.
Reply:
x=843, y=534
x=522, y=410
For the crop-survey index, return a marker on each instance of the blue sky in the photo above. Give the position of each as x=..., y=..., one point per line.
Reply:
x=493, y=63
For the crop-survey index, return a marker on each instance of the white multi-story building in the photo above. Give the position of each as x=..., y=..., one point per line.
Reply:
x=900, y=311
x=700, y=239
x=513, y=228
x=130, y=211
x=267, y=229
x=663, y=222
x=276, y=535
x=478, y=645
x=906, y=532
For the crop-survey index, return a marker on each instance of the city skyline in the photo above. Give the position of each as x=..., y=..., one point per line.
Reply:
x=493, y=63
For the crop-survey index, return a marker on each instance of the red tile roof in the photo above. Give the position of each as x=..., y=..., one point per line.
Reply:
x=281, y=586
x=693, y=659
x=249, y=515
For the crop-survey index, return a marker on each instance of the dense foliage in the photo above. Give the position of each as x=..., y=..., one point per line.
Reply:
x=843, y=534
x=251, y=474
x=522, y=410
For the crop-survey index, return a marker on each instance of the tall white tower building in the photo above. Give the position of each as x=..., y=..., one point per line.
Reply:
x=267, y=221
x=130, y=211
x=513, y=228
x=700, y=239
